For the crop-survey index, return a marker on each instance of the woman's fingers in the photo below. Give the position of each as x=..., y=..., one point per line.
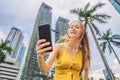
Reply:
x=42, y=45
x=40, y=42
x=42, y=51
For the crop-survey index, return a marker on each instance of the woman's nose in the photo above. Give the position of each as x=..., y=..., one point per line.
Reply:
x=73, y=28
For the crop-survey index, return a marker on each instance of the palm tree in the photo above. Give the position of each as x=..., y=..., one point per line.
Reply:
x=87, y=15
x=108, y=39
x=3, y=49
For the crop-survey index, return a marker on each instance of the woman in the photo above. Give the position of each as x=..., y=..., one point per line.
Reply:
x=71, y=57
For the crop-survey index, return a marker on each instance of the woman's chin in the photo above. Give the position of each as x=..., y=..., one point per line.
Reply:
x=73, y=38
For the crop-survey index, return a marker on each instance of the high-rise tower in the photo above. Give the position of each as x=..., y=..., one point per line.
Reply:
x=31, y=69
x=20, y=54
x=15, y=37
x=9, y=69
x=61, y=27
x=116, y=4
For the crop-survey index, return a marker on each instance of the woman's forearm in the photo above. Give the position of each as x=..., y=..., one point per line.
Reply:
x=42, y=64
x=85, y=75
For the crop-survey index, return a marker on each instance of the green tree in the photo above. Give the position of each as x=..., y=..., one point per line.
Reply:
x=3, y=49
x=39, y=75
x=88, y=16
x=108, y=39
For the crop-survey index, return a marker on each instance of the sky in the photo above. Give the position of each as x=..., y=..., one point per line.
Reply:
x=22, y=14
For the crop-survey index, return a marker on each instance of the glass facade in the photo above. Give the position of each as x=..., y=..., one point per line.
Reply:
x=116, y=4
x=15, y=38
x=61, y=27
x=106, y=74
x=20, y=54
x=31, y=70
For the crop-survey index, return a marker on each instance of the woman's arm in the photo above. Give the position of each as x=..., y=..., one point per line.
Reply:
x=45, y=65
x=86, y=70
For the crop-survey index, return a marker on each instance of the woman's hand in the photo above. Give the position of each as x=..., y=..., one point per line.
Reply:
x=41, y=47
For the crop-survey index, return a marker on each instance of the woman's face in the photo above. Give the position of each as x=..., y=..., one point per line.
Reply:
x=75, y=30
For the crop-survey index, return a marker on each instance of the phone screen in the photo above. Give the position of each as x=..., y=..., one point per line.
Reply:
x=44, y=33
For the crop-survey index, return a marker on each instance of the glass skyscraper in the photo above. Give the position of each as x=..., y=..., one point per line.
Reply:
x=21, y=53
x=106, y=74
x=116, y=4
x=61, y=27
x=31, y=70
x=15, y=37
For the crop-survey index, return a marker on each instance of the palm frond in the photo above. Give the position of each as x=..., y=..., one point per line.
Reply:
x=1, y=41
x=81, y=19
x=95, y=28
x=110, y=50
x=76, y=11
x=102, y=16
x=99, y=20
x=103, y=45
x=100, y=38
x=108, y=32
x=5, y=48
x=2, y=57
x=115, y=43
x=85, y=24
x=97, y=6
x=116, y=36
x=87, y=6
x=8, y=49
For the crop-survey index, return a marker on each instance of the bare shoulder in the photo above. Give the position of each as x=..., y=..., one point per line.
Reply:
x=58, y=46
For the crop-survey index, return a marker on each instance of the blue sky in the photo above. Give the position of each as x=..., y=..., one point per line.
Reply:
x=22, y=14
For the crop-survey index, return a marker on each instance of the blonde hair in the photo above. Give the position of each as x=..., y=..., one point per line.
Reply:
x=82, y=42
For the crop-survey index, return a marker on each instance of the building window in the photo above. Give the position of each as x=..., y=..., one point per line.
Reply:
x=118, y=1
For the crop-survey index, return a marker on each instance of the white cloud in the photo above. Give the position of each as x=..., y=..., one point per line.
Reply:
x=115, y=60
x=24, y=13
x=97, y=73
x=26, y=39
x=115, y=66
x=2, y=36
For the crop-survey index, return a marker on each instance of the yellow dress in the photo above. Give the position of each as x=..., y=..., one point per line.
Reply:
x=67, y=67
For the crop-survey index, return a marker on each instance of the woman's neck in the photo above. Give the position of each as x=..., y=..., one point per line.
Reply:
x=72, y=43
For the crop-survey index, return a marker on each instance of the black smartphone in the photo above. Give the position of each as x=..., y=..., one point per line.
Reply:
x=45, y=33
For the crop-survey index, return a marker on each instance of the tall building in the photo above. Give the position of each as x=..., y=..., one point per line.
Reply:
x=20, y=59
x=21, y=53
x=116, y=4
x=31, y=69
x=9, y=69
x=61, y=27
x=106, y=75
x=91, y=78
x=15, y=38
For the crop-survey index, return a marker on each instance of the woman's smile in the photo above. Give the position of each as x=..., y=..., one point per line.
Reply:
x=72, y=32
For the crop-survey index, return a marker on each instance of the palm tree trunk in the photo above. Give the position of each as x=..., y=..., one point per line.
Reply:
x=114, y=53
x=101, y=54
